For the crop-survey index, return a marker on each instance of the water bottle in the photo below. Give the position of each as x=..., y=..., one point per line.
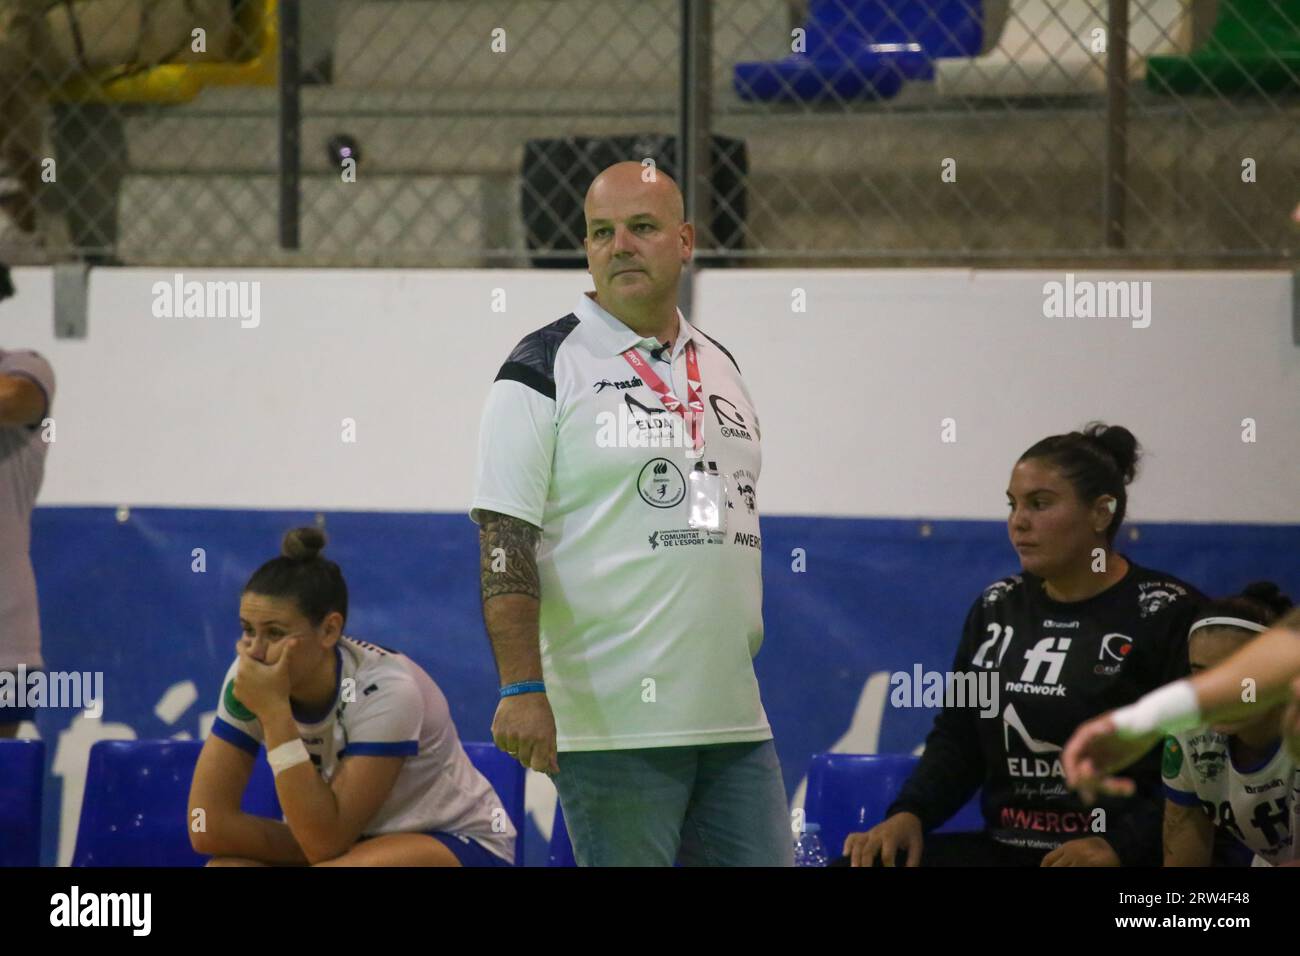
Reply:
x=808, y=849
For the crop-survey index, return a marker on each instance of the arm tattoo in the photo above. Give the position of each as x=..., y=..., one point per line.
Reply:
x=508, y=556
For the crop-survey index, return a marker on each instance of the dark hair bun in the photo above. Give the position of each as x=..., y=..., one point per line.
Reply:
x=1120, y=443
x=302, y=544
x=1268, y=594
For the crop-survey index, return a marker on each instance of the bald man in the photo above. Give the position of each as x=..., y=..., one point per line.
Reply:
x=620, y=561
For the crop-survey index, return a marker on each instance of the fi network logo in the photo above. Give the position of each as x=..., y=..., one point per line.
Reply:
x=1048, y=657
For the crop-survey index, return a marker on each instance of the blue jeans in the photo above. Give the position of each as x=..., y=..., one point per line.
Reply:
x=712, y=805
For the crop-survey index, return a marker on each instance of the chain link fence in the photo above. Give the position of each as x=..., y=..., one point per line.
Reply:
x=831, y=132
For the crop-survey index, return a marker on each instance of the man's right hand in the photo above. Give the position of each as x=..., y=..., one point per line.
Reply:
x=902, y=831
x=524, y=727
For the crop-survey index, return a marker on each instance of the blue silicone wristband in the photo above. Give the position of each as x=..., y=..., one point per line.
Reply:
x=523, y=687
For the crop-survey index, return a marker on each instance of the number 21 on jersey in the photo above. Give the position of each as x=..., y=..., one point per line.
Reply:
x=996, y=631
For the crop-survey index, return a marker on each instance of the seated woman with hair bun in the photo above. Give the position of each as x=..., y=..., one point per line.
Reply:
x=368, y=766
x=1080, y=630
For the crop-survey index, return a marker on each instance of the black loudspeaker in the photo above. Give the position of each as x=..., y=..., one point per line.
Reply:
x=558, y=172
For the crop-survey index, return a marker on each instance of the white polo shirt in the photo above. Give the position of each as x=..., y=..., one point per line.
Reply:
x=648, y=628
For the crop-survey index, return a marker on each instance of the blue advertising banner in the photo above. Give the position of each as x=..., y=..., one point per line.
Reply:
x=149, y=598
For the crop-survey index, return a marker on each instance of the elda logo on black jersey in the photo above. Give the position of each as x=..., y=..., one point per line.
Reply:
x=730, y=419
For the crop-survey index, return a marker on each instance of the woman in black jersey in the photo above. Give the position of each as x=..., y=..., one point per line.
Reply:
x=1080, y=630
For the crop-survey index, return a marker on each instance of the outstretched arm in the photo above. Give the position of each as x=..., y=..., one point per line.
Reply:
x=1256, y=677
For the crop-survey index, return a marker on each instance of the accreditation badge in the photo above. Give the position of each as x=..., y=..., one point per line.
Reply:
x=706, y=498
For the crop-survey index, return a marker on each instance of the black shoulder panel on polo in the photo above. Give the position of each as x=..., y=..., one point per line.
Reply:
x=721, y=347
x=532, y=363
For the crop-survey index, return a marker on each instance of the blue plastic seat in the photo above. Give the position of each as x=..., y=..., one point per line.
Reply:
x=865, y=49
x=22, y=777
x=507, y=777
x=849, y=793
x=136, y=806
x=561, y=848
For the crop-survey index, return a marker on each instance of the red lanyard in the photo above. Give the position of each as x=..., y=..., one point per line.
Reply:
x=669, y=400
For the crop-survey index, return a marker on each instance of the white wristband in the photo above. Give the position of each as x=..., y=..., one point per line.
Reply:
x=287, y=755
x=1168, y=709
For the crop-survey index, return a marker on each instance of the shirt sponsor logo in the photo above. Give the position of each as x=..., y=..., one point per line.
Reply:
x=1208, y=761
x=731, y=422
x=749, y=540
x=745, y=481
x=1113, y=652
x=1171, y=761
x=661, y=484
x=1044, y=763
x=999, y=589
x=1058, y=625
x=1048, y=657
x=646, y=417
x=1043, y=690
x=1045, y=821
x=680, y=537
x=746, y=492
x=605, y=383
x=1041, y=790
x=1154, y=595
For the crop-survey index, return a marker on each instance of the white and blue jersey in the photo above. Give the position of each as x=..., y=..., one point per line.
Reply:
x=385, y=705
x=1258, y=805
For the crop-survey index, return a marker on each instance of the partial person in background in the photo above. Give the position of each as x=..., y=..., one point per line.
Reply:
x=1263, y=673
x=26, y=397
x=45, y=44
x=1234, y=775
x=1080, y=630
x=368, y=766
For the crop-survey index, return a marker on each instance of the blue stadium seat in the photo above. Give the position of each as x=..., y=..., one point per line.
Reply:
x=507, y=777
x=135, y=809
x=22, y=776
x=561, y=849
x=849, y=793
x=865, y=49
